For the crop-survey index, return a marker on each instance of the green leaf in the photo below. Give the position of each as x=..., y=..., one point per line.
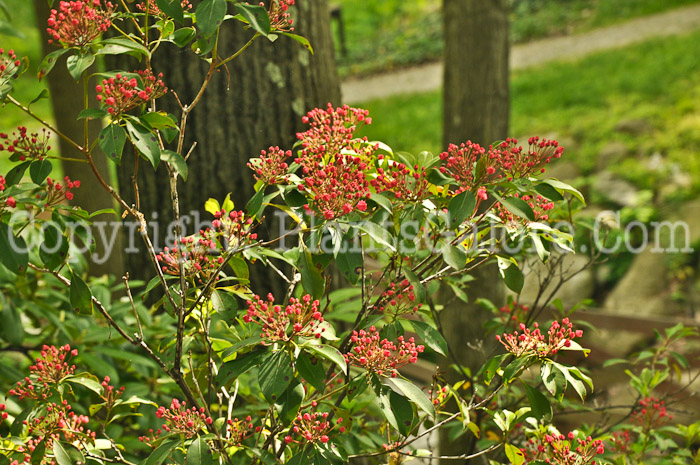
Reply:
x=158, y=120
x=210, y=14
x=39, y=170
x=182, y=36
x=311, y=370
x=517, y=207
x=396, y=409
x=514, y=454
x=199, y=453
x=111, y=140
x=288, y=404
x=162, y=452
x=6, y=28
x=42, y=95
x=11, y=327
x=172, y=8
x=89, y=383
x=254, y=205
x=430, y=336
x=461, y=207
x=541, y=408
x=311, y=276
x=49, y=61
x=515, y=368
x=14, y=176
x=240, y=345
x=256, y=16
x=491, y=367
x=80, y=296
x=18, y=425
x=302, y=40
x=145, y=142
x=434, y=176
x=78, y=63
x=350, y=264
x=380, y=235
x=563, y=187
x=275, y=375
x=330, y=353
x=382, y=201
x=176, y=161
x=122, y=45
x=92, y=113
x=60, y=454
x=212, y=206
x=234, y=368
x=415, y=395
x=13, y=250
x=454, y=256
x=549, y=192
x=513, y=278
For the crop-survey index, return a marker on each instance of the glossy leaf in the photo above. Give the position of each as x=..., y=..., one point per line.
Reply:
x=145, y=142
x=162, y=452
x=415, y=395
x=312, y=371
x=78, y=63
x=39, y=170
x=541, y=408
x=13, y=250
x=311, y=277
x=176, y=161
x=210, y=14
x=111, y=140
x=461, y=207
x=80, y=296
x=430, y=336
x=275, y=375
x=172, y=8
x=330, y=353
x=49, y=61
x=60, y=454
x=199, y=453
x=256, y=16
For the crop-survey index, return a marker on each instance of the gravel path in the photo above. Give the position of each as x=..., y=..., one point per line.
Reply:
x=428, y=77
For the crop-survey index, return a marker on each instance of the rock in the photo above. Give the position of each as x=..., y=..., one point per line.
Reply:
x=644, y=290
x=610, y=154
x=634, y=127
x=579, y=286
x=615, y=189
x=563, y=170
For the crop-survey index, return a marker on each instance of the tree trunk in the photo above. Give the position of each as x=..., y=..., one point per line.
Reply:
x=257, y=104
x=66, y=100
x=476, y=108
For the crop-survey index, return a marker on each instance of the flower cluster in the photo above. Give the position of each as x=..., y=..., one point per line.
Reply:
x=336, y=189
x=539, y=205
x=313, y=427
x=179, y=420
x=620, y=441
x=151, y=7
x=472, y=165
x=651, y=413
x=438, y=395
x=331, y=130
x=270, y=167
x=25, y=146
x=193, y=255
x=460, y=162
x=50, y=368
x=9, y=201
x=382, y=357
x=533, y=342
x=518, y=163
x=58, y=423
x=237, y=430
x=9, y=65
x=232, y=229
x=407, y=185
x=57, y=192
x=77, y=23
x=123, y=92
x=280, y=19
x=513, y=313
x=301, y=318
x=3, y=413
x=563, y=450
x=399, y=300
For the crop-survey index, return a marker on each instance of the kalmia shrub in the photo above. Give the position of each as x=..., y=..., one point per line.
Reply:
x=533, y=342
x=78, y=23
x=382, y=357
x=300, y=318
x=124, y=92
x=22, y=145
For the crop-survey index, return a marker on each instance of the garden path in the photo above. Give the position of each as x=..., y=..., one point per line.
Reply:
x=428, y=77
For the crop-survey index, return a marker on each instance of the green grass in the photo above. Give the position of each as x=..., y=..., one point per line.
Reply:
x=658, y=80
x=385, y=34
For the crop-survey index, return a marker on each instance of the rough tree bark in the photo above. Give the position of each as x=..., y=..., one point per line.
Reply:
x=66, y=100
x=475, y=107
x=258, y=104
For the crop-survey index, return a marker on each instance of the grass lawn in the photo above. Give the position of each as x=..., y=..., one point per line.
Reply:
x=658, y=80
x=384, y=34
